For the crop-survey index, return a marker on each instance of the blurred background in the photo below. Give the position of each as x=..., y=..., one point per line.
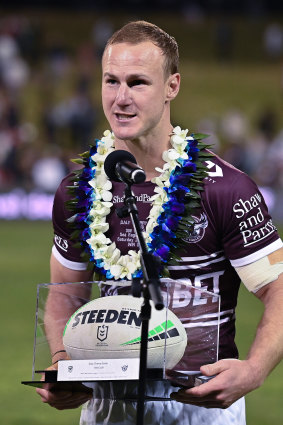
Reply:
x=50, y=110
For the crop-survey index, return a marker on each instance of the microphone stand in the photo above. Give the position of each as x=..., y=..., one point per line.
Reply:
x=150, y=289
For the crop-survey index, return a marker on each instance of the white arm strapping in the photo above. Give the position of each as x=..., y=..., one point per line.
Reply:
x=258, y=274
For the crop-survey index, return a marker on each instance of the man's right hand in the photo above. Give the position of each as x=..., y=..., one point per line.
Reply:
x=62, y=399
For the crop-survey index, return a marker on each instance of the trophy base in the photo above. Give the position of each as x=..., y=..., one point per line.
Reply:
x=50, y=382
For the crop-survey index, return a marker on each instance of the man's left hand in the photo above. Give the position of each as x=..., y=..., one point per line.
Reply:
x=234, y=378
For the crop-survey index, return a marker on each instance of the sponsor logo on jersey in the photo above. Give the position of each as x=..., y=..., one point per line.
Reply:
x=243, y=207
x=144, y=197
x=61, y=243
x=253, y=225
x=199, y=227
x=215, y=170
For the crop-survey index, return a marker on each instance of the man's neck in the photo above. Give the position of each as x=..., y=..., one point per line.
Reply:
x=148, y=151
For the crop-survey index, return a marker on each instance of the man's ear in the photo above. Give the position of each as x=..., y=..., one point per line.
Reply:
x=173, y=86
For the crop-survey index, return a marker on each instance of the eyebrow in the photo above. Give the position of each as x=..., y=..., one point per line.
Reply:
x=131, y=76
x=107, y=74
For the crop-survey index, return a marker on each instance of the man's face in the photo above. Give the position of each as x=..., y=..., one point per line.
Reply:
x=134, y=89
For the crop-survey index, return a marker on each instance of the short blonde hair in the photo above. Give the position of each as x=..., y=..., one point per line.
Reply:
x=139, y=31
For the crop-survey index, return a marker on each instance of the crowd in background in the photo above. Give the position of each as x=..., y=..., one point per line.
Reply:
x=35, y=155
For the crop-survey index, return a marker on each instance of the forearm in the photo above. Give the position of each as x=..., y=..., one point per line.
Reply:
x=267, y=349
x=63, y=300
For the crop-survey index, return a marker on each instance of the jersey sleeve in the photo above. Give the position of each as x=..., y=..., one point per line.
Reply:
x=63, y=248
x=248, y=233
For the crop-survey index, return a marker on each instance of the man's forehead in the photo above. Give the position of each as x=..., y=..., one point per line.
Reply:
x=126, y=54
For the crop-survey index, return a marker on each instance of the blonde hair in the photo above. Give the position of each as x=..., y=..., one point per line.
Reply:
x=139, y=31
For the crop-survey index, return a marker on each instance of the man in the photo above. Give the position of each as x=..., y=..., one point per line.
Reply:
x=233, y=237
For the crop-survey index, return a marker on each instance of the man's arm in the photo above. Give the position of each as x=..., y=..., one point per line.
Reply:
x=62, y=302
x=235, y=378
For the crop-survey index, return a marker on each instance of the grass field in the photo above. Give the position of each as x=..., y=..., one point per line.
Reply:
x=25, y=250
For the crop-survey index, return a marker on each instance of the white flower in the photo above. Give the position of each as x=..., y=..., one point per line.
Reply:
x=106, y=195
x=102, y=187
x=150, y=226
x=98, y=239
x=117, y=271
x=100, y=208
x=160, y=192
x=126, y=265
x=158, y=181
x=108, y=138
x=99, y=227
x=170, y=155
x=101, y=154
x=179, y=132
x=109, y=253
x=180, y=151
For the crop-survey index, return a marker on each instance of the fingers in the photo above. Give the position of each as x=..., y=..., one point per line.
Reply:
x=203, y=402
x=195, y=394
x=63, y=399
x=215, y=368
x=209, y=398
x=227, y=384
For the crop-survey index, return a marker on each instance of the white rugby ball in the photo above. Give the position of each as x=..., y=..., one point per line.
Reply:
x=110, y=327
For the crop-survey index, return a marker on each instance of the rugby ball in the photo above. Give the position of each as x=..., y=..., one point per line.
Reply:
x=110, y=327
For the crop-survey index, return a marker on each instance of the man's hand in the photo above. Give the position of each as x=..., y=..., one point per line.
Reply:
x=62, y=399
x=234, y=378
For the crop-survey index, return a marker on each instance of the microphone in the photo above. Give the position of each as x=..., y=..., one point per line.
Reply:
x=122, y=166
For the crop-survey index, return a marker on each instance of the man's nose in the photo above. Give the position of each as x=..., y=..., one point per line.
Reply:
x=123, y=95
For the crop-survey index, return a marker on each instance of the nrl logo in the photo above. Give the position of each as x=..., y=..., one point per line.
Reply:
x=200, y=224
x=124, y=368
x=102, y=332
x=70, y=369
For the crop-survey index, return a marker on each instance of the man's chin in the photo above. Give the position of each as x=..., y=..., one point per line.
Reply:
x=125, y=133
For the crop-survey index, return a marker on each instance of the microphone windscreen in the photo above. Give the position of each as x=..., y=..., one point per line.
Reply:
x=112, y=159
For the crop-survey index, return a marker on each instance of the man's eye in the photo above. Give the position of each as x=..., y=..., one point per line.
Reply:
x=136, y=83
x=111, y=81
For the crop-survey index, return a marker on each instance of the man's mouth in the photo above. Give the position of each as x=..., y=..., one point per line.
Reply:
x=124, y=117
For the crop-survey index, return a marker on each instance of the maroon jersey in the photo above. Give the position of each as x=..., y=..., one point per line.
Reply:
x=232, y=228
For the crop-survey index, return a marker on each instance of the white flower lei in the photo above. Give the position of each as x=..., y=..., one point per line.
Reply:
x=103, y=249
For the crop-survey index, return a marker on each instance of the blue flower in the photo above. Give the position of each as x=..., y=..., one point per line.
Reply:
x=86, y=175
x=138, y=274
x=85, y=234
x=163, y=252
x=172, y=222
x=93, y=148
x=176, y=207
x=108, y=275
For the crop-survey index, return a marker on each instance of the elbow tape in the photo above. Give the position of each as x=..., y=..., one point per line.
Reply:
x=261, y=272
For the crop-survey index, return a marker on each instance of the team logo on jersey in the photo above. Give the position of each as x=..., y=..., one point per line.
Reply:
x=199, y=227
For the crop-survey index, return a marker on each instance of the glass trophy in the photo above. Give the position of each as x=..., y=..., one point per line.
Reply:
x=102, y=336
